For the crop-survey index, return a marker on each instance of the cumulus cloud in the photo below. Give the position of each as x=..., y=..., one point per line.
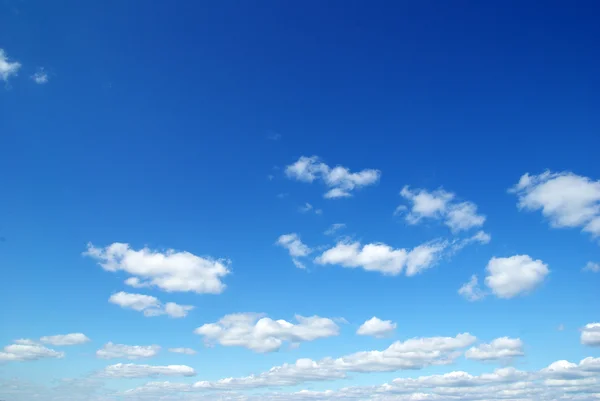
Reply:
x=262, y=334
x=7, y=68
x=500, y=348
x=186, y=351
x=27, y=350
x=169, y=271
x=376, y=327
x=148, y=305
x=515, y=275
x=340, y=181
x=592, y=267
x=295, y=247
x=590, y=335
x=439, y=205
x=383, y=258
x=112, y=351
x=132, y=371
x=471, y=290
x=40, y=77
x=65, y=339
x=565, y=199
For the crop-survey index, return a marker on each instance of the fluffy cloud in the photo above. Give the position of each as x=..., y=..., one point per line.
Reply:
x=590, y=335
x=500, y=348
x=186, y=351
x=295, y=247
x=149, y=305
x=376, y=327
x=7, y=68
x=27, y=350
x=592, y=267
x=383, y=258
x=262, y=334
x=131, y=371
x=565, y=199
x=519, y=274
x=440, y=205
x=471, y=290
x=66, y=339
x=111, y=351
x=339, y=179
x=170, y=271
x=40, y=77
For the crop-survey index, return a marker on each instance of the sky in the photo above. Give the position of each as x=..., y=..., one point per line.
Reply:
x=342, y=200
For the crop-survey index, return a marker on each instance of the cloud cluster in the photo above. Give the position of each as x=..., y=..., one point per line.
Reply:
x=500, y=348
x=340, y=181
x=590, y=335
x=383, y=258
x=507, y=278
x=376, y=327
x=170, y=271
x=440, y=205
x=148, y=305
x=27, y=350
x=262, y=334
x=112, y=351
x=565, y=199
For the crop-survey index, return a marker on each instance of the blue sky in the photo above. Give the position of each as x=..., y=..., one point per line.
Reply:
x=349, y=201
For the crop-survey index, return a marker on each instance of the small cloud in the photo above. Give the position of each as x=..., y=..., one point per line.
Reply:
x=274, y=136
x=40, y=77
x=282, y=195
x=334, y=228
x=7, y=68
x=308, y=207
x=560, y=327
x=592, y=267
x=270, y=177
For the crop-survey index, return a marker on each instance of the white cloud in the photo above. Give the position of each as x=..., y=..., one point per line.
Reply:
x=592, y=267
x=376, y=327
x=111, y=351
x=308, y=207
x=170, y=271
x=471, y=290
x=334, y=228
x=262, y=334
x=565, y=199
x=383, y=258
x=149, y=305
x=131, y=371
x=27, y=350
x=66, y=339
x=339, y=179
x=590, y=335
x=7, y=68
x=440, y=205
x=515, y=275
x=500, y=348
x=186, y=351
x=295, y=247
x=40, y=77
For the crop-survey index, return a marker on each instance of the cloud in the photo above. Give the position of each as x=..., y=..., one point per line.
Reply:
x=383, y=258
x=295, y=247
x=149, y=305
x=471, y=290
x=565, y=199
x=515, y=275
x=308, y=207
x=111, y=351
x=440, y=205
x=500, y=348
x=27, y=350
x=66, y=339
x=590, y=335
x=334, y=228
x=262, y=334
x=592, y=267
x=376, y=327
x=131, y=371
x=340, y=181
x=7, y=68
x=169, y=271
x=186, y=351
x=40, y=77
